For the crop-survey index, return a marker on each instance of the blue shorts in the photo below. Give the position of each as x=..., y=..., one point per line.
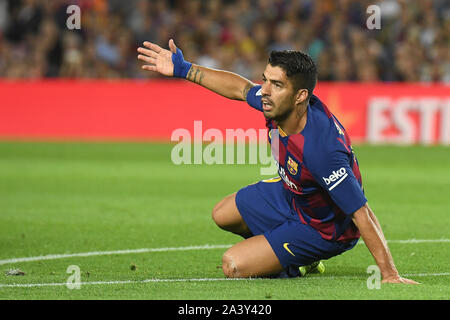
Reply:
x=265, y=208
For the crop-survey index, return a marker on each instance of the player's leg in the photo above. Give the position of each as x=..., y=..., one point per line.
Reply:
x=253, y=257
x=226, y=215
x=254, y=209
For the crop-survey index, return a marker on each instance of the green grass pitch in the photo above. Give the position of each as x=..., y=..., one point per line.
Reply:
x=99, y=198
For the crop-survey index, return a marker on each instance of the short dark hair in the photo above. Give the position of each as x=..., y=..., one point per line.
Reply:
x=299, y=68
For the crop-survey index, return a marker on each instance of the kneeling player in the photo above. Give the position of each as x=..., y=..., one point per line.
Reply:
x=316, y=208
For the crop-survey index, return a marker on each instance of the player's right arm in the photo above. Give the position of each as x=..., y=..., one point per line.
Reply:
x=332, y=171
x=171, y=63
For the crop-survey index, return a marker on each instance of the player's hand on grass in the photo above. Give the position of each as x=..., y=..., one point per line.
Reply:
x=168, y=63
x=398, y=279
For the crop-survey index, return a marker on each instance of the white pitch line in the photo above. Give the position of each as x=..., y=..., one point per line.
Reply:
x=30, y=285
x=147, y=250
x=106, y=253
x=418, y=241
x=60, y=284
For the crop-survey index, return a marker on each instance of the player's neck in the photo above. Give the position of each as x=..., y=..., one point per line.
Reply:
x=295, y=122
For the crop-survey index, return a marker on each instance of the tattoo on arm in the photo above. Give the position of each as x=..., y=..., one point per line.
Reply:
x=189, y=75
x=246, y=90
x=195, y=75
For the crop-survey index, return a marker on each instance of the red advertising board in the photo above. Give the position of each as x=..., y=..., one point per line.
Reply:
x=391, y=113
x=153, y=110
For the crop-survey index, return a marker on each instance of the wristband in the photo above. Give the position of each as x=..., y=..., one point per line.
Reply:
x=180, y=66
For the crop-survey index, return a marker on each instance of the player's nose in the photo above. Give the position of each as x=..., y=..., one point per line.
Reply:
x=265, y=89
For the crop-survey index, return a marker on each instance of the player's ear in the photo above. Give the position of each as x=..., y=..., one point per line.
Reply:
x=302, y=95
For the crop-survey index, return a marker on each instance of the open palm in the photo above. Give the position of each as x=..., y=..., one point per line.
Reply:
x=158, y=59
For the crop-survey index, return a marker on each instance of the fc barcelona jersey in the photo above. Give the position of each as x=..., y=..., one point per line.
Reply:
x=320, y=168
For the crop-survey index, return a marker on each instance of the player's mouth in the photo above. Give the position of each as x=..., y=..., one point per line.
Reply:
x=267, y=106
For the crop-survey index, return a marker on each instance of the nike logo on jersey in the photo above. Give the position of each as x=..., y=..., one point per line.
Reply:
x=335, y=178
x=285, y=245
x=258, y=93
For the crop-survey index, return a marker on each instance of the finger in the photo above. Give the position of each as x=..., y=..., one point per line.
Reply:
x=149, y=68
x=147, y=59
x=392, y=280
x=148, y=52
x=152, y=46
x=399, y=280
x=172, y=46
x=409, y=281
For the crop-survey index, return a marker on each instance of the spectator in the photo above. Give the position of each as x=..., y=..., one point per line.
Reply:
x=412, y=44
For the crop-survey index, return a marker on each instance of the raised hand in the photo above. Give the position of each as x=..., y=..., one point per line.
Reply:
x=157, y=58
x=169, y=63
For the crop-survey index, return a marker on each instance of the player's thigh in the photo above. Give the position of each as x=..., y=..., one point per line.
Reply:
x=226, y=215
x=252, y=257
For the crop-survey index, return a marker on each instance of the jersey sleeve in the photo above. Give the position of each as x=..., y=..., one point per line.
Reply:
x=333, y=173
x=254, y=98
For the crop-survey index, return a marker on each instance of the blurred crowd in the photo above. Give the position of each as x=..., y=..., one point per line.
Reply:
x=411, y=45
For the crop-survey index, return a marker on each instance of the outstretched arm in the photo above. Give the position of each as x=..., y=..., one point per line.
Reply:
x=171, y=63
x=374, y=239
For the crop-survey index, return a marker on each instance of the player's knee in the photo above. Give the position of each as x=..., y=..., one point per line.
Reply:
x=217, y=214
x=229, y=266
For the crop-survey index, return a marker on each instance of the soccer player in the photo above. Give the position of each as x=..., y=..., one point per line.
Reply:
x=316, y=208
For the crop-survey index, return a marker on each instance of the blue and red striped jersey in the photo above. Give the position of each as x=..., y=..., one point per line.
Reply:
x=320, y=168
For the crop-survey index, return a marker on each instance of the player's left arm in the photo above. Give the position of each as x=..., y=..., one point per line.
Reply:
x=373, y=237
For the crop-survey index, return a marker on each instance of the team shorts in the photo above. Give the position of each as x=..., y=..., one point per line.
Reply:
x=266, y=209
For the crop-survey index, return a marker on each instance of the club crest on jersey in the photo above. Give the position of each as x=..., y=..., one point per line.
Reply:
x=292, y=166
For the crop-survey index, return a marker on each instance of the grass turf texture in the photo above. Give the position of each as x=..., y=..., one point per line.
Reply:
x=60, y=198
